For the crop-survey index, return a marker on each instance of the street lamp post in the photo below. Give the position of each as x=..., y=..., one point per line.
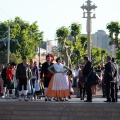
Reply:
x=88, y=7
x=8, y=50
x=39, y=50
x=46, y=46
x=40, y=44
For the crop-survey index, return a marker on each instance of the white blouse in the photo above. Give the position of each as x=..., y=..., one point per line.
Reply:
x=59, y=67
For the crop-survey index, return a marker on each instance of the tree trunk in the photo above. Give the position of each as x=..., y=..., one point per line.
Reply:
x=67, y=57
x=66, y=53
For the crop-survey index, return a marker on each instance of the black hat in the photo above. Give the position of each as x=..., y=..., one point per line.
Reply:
x=24, y=57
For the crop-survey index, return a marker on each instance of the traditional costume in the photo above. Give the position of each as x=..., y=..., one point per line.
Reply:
x=46, y=76
x=23, y=74
x=59, y=84
x=10, y=80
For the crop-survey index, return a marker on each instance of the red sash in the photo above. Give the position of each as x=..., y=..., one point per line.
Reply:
x=49, y=75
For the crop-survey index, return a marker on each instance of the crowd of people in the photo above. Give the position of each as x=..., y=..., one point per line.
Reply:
x=56, y=81
x=105, y=77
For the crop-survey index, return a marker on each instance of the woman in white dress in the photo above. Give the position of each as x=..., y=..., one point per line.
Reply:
x=59, y=84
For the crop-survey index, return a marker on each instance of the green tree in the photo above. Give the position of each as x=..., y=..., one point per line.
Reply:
x=75, y=30
x=68, y=45
x=28, y=36
x=98, y=55
x=73, y=45
x=62, y=34
x=104, y=53
x=80, y=49
x=114, y=30
x=118, y=57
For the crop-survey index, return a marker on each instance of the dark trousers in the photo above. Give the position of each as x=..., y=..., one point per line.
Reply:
x=82, y=92
x=17, y=91
x=111, y=91
x=108, y=92
x=74, y=84
x=46, y=81
x=104, y=89
x=89, y=90
x=22, y=82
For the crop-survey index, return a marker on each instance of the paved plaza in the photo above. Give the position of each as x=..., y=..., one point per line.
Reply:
x=96, y=99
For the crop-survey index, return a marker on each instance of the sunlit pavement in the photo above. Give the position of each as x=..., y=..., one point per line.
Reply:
x=96, y=99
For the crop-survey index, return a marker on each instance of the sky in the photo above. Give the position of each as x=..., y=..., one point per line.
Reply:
x=52, y=14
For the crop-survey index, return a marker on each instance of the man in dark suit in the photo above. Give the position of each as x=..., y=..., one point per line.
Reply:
x=47, y=75
x=87, y=71
x=23, y=74
x=115, y=84
x=110, y=74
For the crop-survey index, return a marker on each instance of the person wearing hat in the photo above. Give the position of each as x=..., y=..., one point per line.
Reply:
x=45, y=75
x=23, y=74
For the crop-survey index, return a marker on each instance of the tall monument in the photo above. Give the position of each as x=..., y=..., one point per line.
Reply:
x=89, y=15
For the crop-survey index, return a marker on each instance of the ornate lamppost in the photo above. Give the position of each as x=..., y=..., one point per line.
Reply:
x=88, y=14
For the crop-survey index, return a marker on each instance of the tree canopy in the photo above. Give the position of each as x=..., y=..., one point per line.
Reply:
x=72, y=43
x=114, y=31
x=25, y=37
x=98, y=55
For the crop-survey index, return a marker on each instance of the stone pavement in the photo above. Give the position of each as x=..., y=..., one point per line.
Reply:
x=73, y=109
x=96, y=99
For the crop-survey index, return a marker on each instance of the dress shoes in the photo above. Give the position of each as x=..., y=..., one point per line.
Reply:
x=113, y=100
x=88, y=101
x=107, y=101
x=61, y=100
x=69, y=97
x=65, y=99
x=49, y=99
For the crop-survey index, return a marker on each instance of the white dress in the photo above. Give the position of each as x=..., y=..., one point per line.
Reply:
x=59, y=83
x=60, y=78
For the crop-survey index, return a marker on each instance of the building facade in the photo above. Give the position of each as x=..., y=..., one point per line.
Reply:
x=47, y=46
x=101, y=39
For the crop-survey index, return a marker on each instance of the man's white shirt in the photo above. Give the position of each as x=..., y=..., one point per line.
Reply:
x=75, y=73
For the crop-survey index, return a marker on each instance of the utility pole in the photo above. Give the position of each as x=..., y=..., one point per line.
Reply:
x=8, y=50
x=87, y=14
x=41, y=38
x=39, y=50
x=46, y=46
